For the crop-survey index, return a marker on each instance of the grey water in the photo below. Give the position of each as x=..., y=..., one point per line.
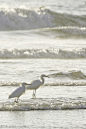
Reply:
x=43, y=37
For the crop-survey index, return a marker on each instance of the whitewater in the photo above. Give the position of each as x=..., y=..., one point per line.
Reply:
x=43, y=37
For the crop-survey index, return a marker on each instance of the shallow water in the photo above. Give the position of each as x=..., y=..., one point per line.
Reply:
x=43, y=119
x=47, y=98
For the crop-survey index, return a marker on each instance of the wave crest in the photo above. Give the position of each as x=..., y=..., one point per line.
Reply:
x=75, y=75
x=67, y=31
x=43, y=53
x=24, y=19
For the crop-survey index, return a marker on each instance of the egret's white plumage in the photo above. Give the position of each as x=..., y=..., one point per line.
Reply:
x=18, y=92
x=34, y=85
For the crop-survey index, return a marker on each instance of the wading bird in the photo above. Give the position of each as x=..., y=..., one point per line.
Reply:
x=18, y=92
x=34, y=85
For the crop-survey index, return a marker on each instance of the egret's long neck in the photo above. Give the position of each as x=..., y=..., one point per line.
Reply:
x=42, y=80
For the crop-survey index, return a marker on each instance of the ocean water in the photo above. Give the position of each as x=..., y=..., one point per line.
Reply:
x=43, y=37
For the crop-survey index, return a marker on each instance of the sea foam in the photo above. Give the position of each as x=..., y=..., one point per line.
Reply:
x=43, y=53
x=44, y=104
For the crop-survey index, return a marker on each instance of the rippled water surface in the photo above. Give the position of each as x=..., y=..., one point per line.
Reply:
x=44, y=119
x=43, y=37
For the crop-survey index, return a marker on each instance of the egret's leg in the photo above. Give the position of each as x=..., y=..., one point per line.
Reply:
x=35, y=93
x=16, y=100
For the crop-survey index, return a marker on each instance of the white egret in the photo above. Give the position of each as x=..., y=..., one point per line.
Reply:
x=34, y=85
x=18, y=92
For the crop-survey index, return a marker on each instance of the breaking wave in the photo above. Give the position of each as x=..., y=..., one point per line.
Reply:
x=43, y=53
x=74, y=75
x=25, y=19
x=67, y=32
x=44, y=104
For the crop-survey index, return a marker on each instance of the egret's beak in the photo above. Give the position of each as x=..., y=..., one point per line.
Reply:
x=27, y=84
x=47, y=76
